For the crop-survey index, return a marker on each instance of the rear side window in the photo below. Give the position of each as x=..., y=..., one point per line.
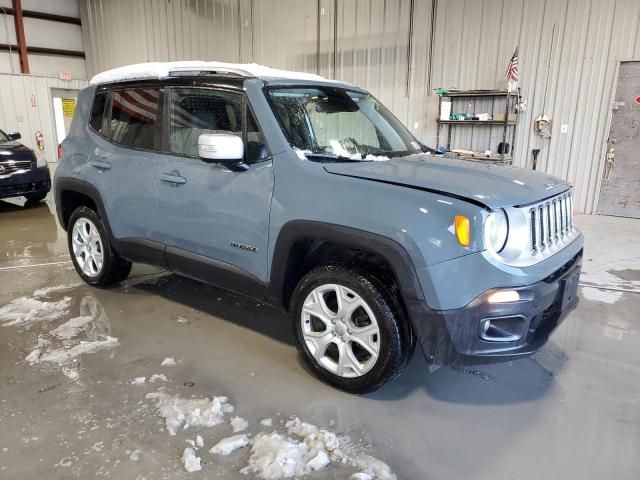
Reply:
x=97, y=112
x=134, y=114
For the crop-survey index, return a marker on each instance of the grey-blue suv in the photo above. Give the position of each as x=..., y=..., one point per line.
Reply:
x=310, y=195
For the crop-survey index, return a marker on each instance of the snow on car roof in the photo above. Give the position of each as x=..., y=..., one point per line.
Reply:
x=160, y=70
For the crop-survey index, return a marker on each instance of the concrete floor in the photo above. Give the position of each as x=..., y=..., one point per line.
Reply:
x=572, y=411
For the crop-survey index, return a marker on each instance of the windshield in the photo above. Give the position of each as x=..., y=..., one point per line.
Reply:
x=340, y=122
x=3, y=137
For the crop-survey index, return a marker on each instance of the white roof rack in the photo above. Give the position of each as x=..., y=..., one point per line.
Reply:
x=160, y=70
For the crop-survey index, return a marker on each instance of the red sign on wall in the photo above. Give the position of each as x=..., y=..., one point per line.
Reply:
x=637, y=99
x=33, y=101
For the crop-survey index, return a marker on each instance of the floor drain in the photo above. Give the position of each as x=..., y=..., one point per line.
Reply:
x=189, y=384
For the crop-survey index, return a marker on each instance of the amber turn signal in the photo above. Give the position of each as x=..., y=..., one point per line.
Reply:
x=463, y=230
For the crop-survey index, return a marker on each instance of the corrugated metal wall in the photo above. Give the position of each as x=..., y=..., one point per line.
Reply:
x=18, y=113
x=569, y=51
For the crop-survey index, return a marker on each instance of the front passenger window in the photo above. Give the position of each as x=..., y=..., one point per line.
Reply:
x=194, y=112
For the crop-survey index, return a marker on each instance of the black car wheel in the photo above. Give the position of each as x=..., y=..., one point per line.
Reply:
x=92, y=256
x=349, y=328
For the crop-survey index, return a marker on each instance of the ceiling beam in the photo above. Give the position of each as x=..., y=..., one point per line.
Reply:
x=44, y=51
x=45, y=16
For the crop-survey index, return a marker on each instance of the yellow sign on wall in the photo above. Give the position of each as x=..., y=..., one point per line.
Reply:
x=68, y=106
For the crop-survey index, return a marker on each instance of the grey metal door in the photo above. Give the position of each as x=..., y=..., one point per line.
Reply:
x=620, y=191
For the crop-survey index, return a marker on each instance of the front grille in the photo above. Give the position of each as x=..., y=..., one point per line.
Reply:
x=550, y=222
x=13, y=166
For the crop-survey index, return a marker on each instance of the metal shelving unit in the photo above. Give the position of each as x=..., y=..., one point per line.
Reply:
x=508, y=126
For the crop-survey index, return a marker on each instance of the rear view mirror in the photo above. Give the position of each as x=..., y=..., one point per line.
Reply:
x=224, y=148
x=14, y=136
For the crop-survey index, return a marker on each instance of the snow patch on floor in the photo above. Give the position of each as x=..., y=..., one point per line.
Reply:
x=135, y=455
x=266, y=422
x=168, y=362
x=230, y=444
x=46, y=291
x=158, y=377
x=24, y=311
x=186, y=412
x=138, y=381
x=190, y=460
x=72, y=328
x=62, y=355
x=600, y=295
x=238, y=424
x=305, y=449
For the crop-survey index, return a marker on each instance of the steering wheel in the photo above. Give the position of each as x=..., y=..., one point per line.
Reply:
x=351, y=145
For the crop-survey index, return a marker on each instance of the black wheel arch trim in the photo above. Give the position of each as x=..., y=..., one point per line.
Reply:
x=388, y=249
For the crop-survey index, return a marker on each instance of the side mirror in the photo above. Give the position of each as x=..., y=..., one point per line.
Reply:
x=14, y=136
x=224, y=148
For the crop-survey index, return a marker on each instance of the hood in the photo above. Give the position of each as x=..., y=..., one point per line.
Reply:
x=15, y=151
x=490, y=185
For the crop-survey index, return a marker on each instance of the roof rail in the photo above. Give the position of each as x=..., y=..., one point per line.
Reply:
x=194, y=72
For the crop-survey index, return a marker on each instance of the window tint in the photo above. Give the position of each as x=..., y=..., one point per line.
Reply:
x=196, y=111
x=133, y=117
x=97, y=112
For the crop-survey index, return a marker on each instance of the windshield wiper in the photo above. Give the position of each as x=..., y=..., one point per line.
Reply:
x=329, y=157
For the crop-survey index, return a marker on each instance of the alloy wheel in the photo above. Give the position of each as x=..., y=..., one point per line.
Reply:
x=87, y=247
x=340, y=330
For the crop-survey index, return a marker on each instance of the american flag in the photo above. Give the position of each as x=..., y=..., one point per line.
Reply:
x=512, y=69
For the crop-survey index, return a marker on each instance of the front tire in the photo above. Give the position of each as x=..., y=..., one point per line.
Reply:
x=92, y=256
x=349, y=328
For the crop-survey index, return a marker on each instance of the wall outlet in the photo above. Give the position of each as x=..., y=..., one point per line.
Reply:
x=416, y=125
x=564, y=128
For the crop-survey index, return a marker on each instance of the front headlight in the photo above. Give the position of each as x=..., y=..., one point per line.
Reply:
x=496, y=231
x=40, y=161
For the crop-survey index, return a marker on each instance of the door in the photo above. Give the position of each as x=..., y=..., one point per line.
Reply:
x=64, y=105
x=620, y=190
x=122, y=164
x=214, y=221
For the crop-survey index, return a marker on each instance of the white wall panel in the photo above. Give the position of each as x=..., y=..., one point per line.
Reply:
x=48, y=34
x=17, y=113
x=49, y=65
x=67, y=8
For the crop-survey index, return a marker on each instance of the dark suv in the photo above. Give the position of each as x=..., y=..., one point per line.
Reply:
x=22, y=171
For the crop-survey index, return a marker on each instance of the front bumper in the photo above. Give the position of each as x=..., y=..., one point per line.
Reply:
x=37, y=180
x=455, y=337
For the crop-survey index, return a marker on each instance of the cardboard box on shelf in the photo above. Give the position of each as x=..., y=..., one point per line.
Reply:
x=500, y=117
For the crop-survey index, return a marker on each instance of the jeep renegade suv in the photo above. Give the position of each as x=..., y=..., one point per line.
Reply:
x=310, y=195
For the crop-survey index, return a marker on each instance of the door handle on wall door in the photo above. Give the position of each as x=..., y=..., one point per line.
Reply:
x=173, y=178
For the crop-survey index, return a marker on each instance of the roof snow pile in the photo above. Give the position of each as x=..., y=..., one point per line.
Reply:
x=160, y=70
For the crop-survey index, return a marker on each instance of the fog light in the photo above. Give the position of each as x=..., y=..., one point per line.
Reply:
x=504, y=296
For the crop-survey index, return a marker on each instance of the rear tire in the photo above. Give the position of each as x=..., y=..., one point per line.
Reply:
x=357, y=342
x=92, y=255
